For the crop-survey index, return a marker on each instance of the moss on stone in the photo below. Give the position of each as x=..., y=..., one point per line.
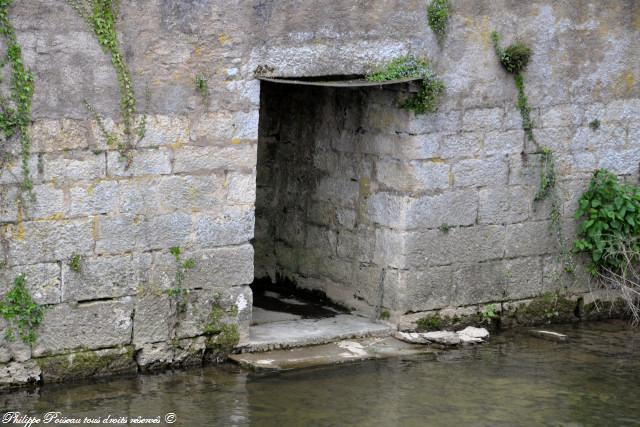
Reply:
x=87, y=364
x=547, y=308
x=431, y=322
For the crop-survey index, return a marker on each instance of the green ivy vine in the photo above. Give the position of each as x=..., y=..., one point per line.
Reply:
x=15, y=110
x=515, y=59
x=102, y=16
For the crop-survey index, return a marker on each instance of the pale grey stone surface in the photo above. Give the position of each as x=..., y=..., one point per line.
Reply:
x=371, y=185
x=91, y=325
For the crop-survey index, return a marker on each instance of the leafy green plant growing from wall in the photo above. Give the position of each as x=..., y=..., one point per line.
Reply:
x=75, y=263
x=515, y=58
x=21, y=312
x=610, y=213
x=594, y=124
x=177, y=291
x=101, y=16
x=438, y=16
x=426, y=100
x=489, y=313
x=224, y=336
x=15, y=109
x=202, y=86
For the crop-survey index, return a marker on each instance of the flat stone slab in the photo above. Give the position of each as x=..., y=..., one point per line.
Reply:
x=334, y=353
x=305, y=332
x=261, y=316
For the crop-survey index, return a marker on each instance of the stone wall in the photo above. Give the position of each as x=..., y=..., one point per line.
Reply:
x=320, y=163
x=192, y=179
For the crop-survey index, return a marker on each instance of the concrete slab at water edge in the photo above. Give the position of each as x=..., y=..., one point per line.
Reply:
x=334, y=353
x=305, y=332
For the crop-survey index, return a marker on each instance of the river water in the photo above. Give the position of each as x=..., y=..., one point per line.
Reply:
x=591, y=380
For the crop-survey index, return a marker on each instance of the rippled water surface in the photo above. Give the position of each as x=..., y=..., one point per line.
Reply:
x=594, y=379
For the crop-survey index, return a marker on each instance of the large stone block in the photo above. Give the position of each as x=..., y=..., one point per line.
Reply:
x=214, y=268
x=73, y=166
x=87, y=364
x=453, y=208
x=234, y=227
x=46, y=241
x=500, y=143
x=504, y=205
x=523, y=278
x=468, y=244
x=242, y=188
x=49, y=202
x=85, y=326
x=461, y=145
x=154, y=317
x=189, y=159
x=42, y=281
x=98, y=197
x=59, y=135
x=105, y=277
x=480, y=172
x=16, y=374
x=144, y=162
x=530, y=238
x=479, y=283
x=413, y=176
x=483, y=119
x=164, y=130
x=427, y=289
x=165, y=231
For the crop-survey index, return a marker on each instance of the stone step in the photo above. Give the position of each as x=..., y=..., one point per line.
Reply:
x=306, y=332
x=334, y=353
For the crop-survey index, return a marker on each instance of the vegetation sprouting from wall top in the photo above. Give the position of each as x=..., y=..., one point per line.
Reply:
x=102, y=16
x=426, y=100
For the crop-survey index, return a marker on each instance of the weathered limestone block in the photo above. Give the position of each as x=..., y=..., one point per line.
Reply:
x=12, y=173
x=189, y=193
x=12, y=350
x=504, y=205
x=453, y=208
x=97, y=197
x=471, y=244
x=95, y=325
x=87, y=364
x=483, y=119
x=414, y=176
x=184, y=352
x=116, y=234
x=480, y=172
x=234, y=227
x=190, y=159
x=428, y=289
x=563, y=115
x=165, y=130
x=106, y=277
x=214, y=268
x=339, y=191
x=16, y=374
x=49, y=202
x=524, y=277
x=461, y=145
x=165, y=231
x=74, y=166
x=530, y=238
x=45, y=241
x=479, y=283
x=58, y=135
x=154, y=318
x=500, y=143
x=144, y=162
x=242, y=188
x=42, y=281
x=200, y=309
